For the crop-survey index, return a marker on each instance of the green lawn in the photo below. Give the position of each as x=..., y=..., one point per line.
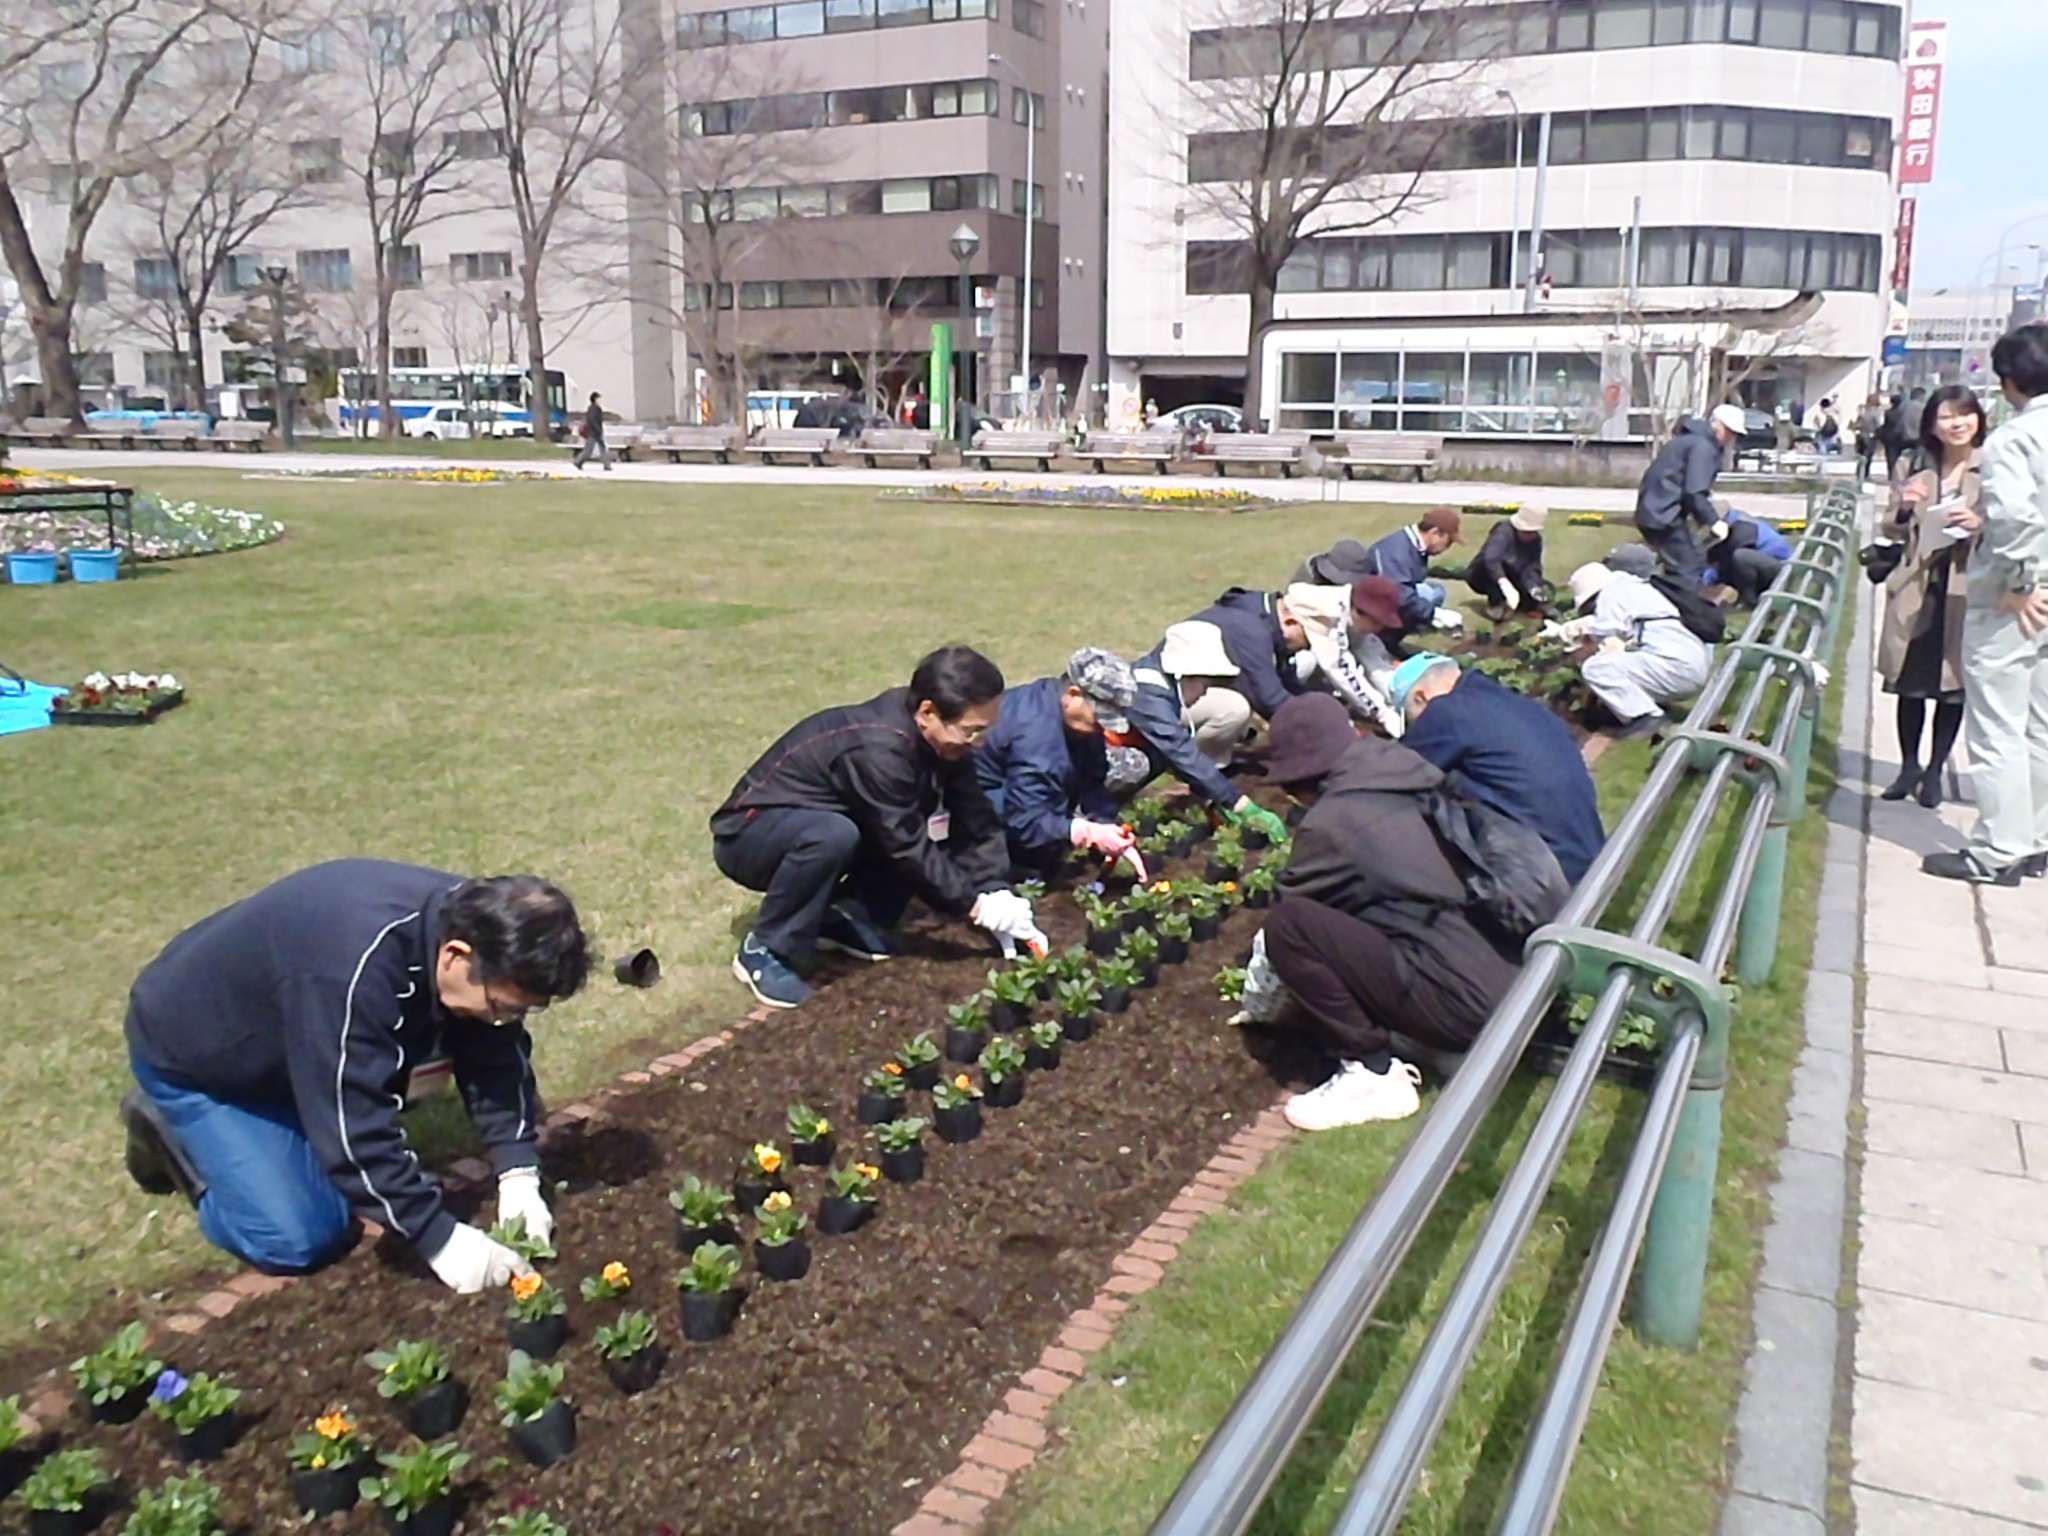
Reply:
x=1653, y=1457
x=563, y=678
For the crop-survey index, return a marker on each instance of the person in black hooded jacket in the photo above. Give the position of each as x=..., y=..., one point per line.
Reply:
x=1372, y=933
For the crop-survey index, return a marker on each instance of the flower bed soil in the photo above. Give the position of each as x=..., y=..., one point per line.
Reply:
x=840, y=1398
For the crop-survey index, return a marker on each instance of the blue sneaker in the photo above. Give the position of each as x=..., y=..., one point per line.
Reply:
x=773, y=982
x=854, y=936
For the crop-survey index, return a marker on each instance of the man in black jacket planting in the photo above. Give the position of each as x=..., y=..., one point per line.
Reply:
x=272, y=1044
x=859, y=808
x=1373, y=934
x=1677, y=491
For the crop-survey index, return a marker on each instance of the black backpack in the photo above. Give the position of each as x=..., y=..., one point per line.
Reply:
x=1696, y=611
x=1513, y=883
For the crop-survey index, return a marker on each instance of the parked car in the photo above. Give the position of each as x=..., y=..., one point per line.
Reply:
x=1204, y=418
x=458, y=423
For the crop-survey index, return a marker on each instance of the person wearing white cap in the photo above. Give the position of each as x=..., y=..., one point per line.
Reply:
x=1334, y=665
x=1191, y=719
x=1507, y=573
x=1677, y=492
x=1646, y=658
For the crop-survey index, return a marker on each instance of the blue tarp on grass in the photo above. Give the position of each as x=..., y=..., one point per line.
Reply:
x=24, y=706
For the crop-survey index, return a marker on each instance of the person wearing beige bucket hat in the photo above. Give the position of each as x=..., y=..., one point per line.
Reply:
x=1507, y=573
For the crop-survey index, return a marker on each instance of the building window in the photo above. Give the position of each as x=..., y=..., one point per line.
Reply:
x=1028, y=17
x=155, y=276
x=163, y=370
x=313, y=54
x=92, y=283
x=317, y=160
x=902, y=13
x=480, y=266
x=387, y=39
x=1037, y=199
x=1018, y=98
x=394, y=156
x=404, y=267
x=474, y=144
x=408, y=357
x=325, y=271
x=477, y=20
x=849, y=15
x=95, y=369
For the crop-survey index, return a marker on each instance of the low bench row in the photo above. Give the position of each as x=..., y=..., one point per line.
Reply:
x=184, y=432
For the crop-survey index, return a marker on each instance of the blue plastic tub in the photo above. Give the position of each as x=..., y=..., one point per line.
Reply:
x=94, y=564
x=31, y=570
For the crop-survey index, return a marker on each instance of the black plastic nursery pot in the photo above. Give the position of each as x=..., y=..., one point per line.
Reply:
x=549, y=1437
x=749, y=1193
x=1004, y=1093
x=1114, y=1000
x=1105, y=941
x=542, y=1338
x=321, y=1491
x=905, y=1167
x=1044, y=1058
x=709, y=1315
x=1202, y=929
x=435, y=1411
x=1132, y=920
x=1008, y=1017
x=435, y=1519
x=1172, y=951
x=921, y=1078
x=841, y=1214
x=121, y=1408
x=1258, y=899
x=957, y=1125
x=1216, y=872
x=210, y=1439
x=70, y=1522
x=783, y=1261
x=964, y=1045
x=871, y=1108
x=17, y=1462
x=1148, y=974
x=639, y=969
x=1252, y=839
x=634, y=1374
x=690, y=1239
x=813, y=1154
x=1080, y=1026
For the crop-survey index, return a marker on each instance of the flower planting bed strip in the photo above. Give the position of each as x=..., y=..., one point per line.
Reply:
x=838, y=1397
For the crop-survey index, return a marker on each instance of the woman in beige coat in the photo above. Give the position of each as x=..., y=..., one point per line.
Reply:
x=1935, y=511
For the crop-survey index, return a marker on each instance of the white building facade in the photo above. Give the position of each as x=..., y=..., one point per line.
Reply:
x=1716, y=216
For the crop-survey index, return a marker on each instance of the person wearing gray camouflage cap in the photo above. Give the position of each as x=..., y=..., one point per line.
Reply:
x=1045, y=765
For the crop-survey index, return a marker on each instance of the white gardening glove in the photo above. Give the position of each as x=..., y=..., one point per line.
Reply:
x=1821, y=676
x=519, y=1195
x=1718, y=531
x=1007, y=916
x=1510, y=594
x=1264, y=994
x=1305, y=665
x=470, y=1262
x=1390, y=721
x=1572, y=631
x=1447, y=618
x=1613, y=645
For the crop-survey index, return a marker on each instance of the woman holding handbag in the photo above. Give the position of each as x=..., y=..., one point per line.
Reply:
x=1935, y=515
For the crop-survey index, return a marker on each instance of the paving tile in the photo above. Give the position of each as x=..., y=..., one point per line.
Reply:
x=1803, y=1245
x=2010, y=975
x=1743, y=1515
x=2034, y=1148
x=1987, y=1142
x=1949, y=962
x=1965, y=1269
x=1951, y=1450
x=1956, y=1199
x=1963, y=1045
x=1994, y=1360
x=1784, y=1415
x=1830, y=1011
x=2024, y=1052
x=1886, y=1514
x=1969, y=1089
x=1968, y=1005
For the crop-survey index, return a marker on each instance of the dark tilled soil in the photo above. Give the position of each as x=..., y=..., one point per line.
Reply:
x=840, y=1398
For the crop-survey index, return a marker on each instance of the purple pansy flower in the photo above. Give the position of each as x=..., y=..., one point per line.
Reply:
x=170, y=1386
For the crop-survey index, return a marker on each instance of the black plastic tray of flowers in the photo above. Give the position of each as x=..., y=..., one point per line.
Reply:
x=61, y=716
x=1633, y=1066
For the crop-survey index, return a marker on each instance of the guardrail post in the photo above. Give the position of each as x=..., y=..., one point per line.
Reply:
x=1672, y=1278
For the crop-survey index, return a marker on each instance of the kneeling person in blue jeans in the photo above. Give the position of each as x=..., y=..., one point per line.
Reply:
x=272, y=1043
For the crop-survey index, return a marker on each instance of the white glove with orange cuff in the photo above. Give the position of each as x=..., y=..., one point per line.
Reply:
x=1109, y=840
x=1007, y=916
x=469, y=1262
x=519, y=1195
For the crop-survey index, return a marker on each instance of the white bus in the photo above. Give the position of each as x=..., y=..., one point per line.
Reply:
x=416, y=391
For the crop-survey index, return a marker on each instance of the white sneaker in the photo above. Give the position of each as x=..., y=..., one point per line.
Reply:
x=1357, y=1097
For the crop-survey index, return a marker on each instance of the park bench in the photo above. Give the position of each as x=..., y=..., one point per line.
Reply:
x=812, y=443
x=1350, y=451
x=109, y=434
x=897, y=443
x=1283, y=449
x=230, y=435
x=1041, y=448
x=623, y=437
x=719, y=442
x=49, y=431
x=1160, y=448
x=175, y=432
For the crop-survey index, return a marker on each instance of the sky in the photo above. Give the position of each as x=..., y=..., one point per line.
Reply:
x=1990, y=168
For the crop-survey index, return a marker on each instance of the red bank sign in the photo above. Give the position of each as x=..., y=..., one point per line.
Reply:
x=1926, y=51
x=1902, y=262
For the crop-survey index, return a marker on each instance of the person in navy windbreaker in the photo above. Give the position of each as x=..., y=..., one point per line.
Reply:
x=1045, y=765
x=1403, y=557
x=273, y=1041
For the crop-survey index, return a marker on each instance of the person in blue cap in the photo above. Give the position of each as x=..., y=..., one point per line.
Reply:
x=1506, y=750
x=1045, y=766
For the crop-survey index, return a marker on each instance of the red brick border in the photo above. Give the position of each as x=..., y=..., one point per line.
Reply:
x=1011, y=1438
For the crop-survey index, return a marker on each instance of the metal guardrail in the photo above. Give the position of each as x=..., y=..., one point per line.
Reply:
x=1750, y=734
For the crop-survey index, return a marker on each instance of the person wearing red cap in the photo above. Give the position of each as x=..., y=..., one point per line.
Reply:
x=1403, y=557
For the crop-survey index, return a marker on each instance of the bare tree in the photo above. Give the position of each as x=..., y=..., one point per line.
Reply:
x=1310, y=118
x=93, y=94
x=561, y=75
x=901, y=330
x=469, y=325
x=411, y=101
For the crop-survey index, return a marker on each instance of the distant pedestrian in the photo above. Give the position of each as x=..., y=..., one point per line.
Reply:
x=2005, y=633
x=1869, y=435
x=593, y=436
x=1901, y=427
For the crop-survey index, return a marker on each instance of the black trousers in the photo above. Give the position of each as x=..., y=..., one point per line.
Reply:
x=1486, y=583
x=1678, y=549
x=802, y=863
x=1359, y=983
x=1750, y=572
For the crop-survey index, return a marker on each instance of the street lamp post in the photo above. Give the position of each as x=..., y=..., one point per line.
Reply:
x=1515, y=217
x=1030, y=217
x=965, y=243
x=281, y=400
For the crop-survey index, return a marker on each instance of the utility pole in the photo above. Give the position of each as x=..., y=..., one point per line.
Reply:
x=1030, y=221
x=1533, y=269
